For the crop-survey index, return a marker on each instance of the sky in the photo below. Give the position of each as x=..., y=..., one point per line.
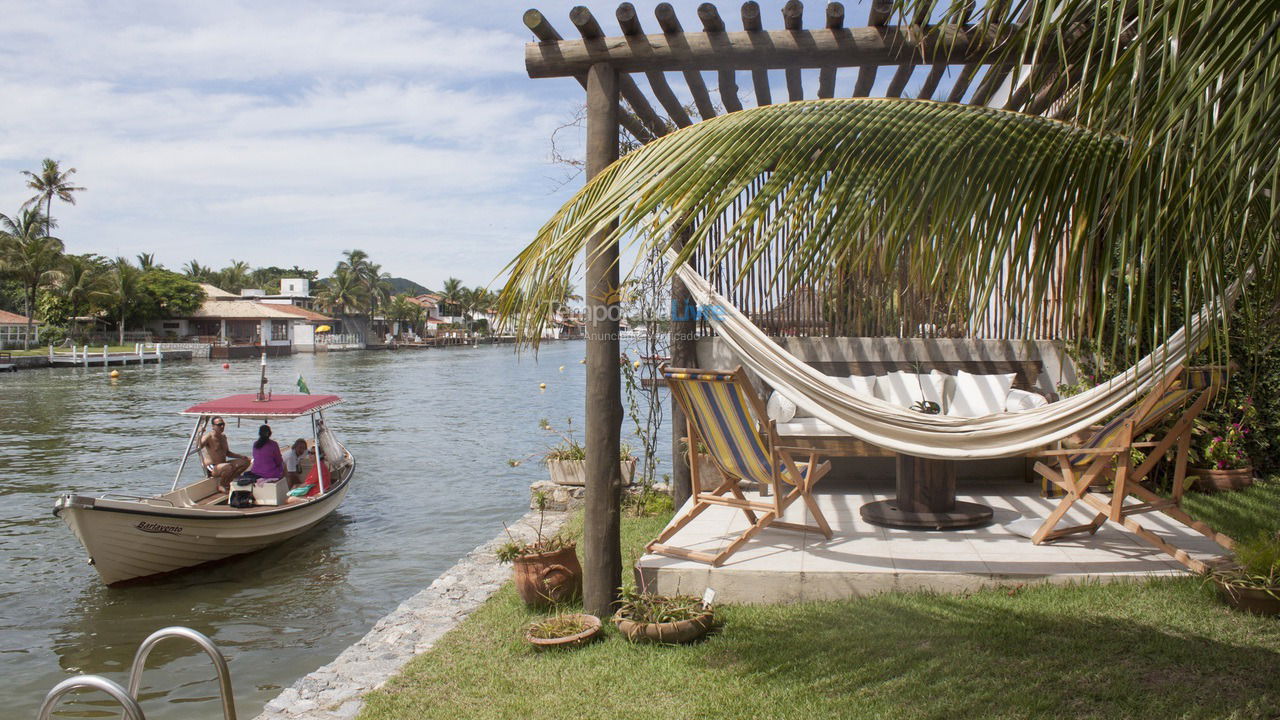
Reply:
x=283, y=133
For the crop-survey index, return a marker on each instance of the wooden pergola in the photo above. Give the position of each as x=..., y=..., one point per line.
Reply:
x=951, y=63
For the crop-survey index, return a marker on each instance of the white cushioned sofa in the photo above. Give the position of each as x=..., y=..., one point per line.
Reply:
x=961, y=394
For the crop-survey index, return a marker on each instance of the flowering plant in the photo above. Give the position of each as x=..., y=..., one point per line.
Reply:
x=1225, y=449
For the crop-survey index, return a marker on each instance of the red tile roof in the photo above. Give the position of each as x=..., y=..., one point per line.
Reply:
x=8, y=318
x=303, y=313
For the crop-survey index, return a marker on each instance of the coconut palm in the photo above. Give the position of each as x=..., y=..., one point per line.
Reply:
x=343, y=293
x=51, y=182
x=452, y=294
x=82, y=283
x=234, y=277
x=197, y=272
x=1155, y=188
x=122, y=280
x=29, y=256
x=147, y=261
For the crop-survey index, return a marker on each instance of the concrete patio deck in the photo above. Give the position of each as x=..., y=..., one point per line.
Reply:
x=864, y=559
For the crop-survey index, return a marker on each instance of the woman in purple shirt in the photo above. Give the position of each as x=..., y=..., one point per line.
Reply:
x=267, y=462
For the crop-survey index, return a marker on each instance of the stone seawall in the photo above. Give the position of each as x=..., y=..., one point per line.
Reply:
x=336, y=691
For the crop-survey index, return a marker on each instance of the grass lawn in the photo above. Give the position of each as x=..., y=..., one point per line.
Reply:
x=1157, y=649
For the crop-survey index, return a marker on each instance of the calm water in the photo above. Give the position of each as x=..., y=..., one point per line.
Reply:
x=431, y=430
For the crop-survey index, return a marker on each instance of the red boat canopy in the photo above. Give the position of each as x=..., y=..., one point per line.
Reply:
x=286, y=406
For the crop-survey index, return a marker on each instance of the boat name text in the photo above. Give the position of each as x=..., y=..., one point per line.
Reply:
x=147, y=527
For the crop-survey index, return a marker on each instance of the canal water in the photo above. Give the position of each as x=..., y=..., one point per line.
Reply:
x=432, y=432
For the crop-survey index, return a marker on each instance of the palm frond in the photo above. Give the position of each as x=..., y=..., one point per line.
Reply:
x=946, y=190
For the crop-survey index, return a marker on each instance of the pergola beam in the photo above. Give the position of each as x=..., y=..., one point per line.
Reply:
x=759, y=77
x=629, y=21
x=763, y=50
x=827, y=75
x=672, y=32
x=587, y=26
x=712, y=23
x=542, y=29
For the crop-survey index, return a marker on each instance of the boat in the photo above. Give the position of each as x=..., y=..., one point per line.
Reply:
x=129, y=537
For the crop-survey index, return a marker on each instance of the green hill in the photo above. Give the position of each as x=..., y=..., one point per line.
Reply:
x=404, y=285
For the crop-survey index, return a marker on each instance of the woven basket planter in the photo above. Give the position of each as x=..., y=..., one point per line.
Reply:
x=672, y=633
x=578, y=639
x=1249, y=599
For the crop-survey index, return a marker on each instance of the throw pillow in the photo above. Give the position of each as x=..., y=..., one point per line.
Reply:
x=978, y=395
x=780, y=409
x=907, y=388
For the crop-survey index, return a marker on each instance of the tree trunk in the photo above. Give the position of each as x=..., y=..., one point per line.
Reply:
x=29, y=300
x=683, y=355
x=121, y=329
x=601, y=540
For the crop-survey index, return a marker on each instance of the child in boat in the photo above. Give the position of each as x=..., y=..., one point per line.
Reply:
x=267, y=462
x=318, y=470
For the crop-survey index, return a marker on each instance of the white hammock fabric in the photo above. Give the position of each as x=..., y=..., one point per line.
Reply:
x=934, y=436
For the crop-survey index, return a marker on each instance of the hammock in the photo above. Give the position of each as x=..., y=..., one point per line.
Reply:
x=941, y=437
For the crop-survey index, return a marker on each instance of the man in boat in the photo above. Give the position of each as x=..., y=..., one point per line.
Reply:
x=293, y=458
x=221, y=462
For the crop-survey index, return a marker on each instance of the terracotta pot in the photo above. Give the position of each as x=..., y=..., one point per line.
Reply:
x=709, y=476
x=574, y=472
x=549, y=578
x=569, y=641
x=1249, y=599
x=1214, y=480
x=681, y=631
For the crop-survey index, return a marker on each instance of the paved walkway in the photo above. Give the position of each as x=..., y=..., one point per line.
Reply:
x=862, y=559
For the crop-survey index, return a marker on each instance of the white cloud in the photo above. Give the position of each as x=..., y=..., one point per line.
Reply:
x=287, y=133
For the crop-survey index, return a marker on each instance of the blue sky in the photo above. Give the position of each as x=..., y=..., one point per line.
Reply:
x=285, y=132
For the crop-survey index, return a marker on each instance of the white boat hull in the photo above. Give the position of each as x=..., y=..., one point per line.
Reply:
x=130, y=539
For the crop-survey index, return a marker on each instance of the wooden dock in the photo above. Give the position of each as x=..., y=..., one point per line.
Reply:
x=89, y=357
x=6, y=362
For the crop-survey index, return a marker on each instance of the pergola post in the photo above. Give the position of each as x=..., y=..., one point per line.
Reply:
x=602, y=549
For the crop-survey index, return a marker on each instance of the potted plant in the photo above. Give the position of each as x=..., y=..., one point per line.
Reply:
x=547, y=571
x=563, y=631
x=709, y=475
x=663, y=618
x=1226, y=466
x=1254, y=583
x=567, y=459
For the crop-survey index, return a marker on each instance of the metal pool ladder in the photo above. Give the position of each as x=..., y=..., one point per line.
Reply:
x=128, y=699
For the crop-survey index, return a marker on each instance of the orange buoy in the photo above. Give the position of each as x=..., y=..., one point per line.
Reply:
x=226, y=365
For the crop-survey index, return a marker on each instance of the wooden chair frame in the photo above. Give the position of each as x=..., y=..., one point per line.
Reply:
x=1115, y=460
x=784, y=469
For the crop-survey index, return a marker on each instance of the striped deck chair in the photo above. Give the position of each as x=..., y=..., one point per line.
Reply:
x=1107, y=455
x=727, y=422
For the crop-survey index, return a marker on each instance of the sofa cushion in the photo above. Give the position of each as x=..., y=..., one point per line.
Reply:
x=808, y=426
x=905, y=389
x=862, y=384
x=978, y=395
x=780, y=409
x=1024, y=400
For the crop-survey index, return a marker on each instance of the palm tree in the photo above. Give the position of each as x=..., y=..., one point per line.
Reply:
x=234, y=277
x=31, y=257
x=452, y=294
x=1160, y=186
x=197, y=272
x=121, y=292
x=83, y=281
x=51, y=182
x=342, y=293
x=147, y=261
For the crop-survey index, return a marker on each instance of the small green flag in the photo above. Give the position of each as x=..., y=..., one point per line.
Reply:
x=302, y=385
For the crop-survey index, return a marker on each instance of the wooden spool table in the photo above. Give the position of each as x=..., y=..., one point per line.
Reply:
x=926, y=499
